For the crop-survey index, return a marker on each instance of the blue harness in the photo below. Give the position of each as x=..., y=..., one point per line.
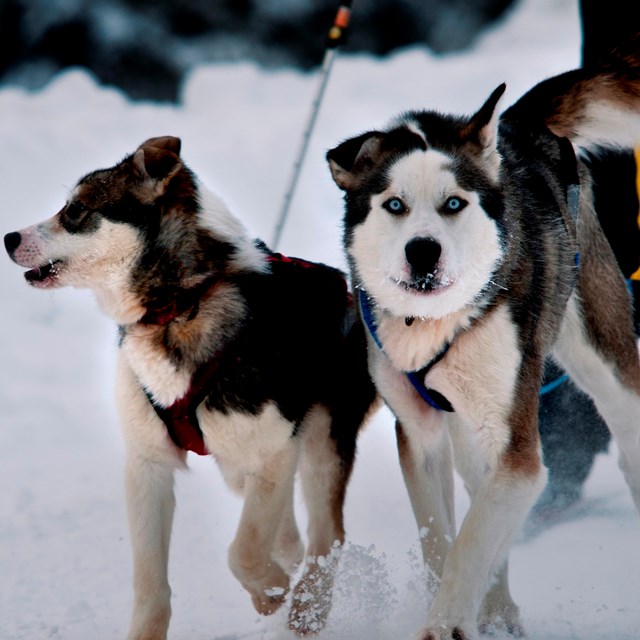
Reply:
x=430, y=396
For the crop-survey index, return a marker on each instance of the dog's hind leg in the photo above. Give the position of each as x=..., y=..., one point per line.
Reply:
x=598, y=349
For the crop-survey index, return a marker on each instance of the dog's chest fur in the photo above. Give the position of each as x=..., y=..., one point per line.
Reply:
x=164, y=358
x=412, y=346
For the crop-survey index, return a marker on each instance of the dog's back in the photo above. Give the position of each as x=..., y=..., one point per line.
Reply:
x=595, y=106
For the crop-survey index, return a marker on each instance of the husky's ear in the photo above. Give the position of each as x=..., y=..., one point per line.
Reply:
x=482, y=129
x=158, y=158
x=353, y=160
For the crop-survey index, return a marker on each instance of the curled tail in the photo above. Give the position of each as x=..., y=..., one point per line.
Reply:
x=595, y=106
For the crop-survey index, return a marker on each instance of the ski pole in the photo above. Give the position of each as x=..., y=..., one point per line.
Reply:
x=335, y=36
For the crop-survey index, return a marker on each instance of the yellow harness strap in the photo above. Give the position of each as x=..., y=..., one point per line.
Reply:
x=636, y=275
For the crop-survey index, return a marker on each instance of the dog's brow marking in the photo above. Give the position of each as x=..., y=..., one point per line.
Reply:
x=414, y=128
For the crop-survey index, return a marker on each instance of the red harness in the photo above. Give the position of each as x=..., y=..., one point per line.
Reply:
x=180, y=418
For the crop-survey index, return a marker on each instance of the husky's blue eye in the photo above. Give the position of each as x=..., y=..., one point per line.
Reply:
x=395, y=206
x=454, y=204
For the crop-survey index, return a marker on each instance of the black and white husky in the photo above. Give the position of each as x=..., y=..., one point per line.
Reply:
x=225, y=348
x=474, y=247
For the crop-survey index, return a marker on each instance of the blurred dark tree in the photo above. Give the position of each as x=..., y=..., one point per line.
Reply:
x=146, y=46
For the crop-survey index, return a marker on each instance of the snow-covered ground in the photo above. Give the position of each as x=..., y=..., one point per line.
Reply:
x=64, y=550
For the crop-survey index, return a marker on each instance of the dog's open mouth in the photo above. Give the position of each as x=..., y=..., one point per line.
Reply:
x=45, y=275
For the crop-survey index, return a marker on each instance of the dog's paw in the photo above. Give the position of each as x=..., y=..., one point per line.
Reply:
x=150, y=620
x=443, y=632
x=501, y=626
x=269, y=601
x=500, y=615
x=268, y=592
x=311, y=601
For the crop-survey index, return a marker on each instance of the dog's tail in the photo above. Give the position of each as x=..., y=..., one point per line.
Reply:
x=596, y=106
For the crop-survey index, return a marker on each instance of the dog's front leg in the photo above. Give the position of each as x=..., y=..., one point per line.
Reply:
x=499, y=611
x=495, y=515
x=427, y=468
x=251, y=555
x=151, y=461
x=498, y=407
x=150, y=504
x=424, y=449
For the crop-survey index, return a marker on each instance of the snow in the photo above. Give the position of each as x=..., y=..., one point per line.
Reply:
x=64, y=551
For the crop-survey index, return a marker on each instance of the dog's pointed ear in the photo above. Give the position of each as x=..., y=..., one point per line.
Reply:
x=158, y=158
x=353, y=160
x=482, y=128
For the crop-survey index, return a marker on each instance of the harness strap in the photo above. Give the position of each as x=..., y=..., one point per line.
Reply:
x=432, y=397
x=279, y=257
x=180, y=418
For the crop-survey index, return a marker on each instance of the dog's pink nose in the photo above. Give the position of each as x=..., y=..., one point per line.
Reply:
x=12, y=241
x=422, y=255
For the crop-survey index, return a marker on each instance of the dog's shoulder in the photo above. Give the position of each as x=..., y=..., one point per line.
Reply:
x=295, y=294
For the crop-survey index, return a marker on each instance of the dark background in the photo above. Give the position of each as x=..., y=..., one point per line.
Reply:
x=146, y=46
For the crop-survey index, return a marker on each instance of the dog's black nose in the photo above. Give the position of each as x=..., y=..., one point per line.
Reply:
x=422, y=255
x=12, y=241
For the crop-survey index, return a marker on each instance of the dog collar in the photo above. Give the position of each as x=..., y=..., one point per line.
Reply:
x=432, y=397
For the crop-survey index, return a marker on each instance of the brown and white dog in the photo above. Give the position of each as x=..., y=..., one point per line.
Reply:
x=225, y=348
x=476, y=252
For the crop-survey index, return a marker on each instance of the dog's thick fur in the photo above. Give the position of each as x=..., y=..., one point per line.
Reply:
x=289, y=387
x=467, y=232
